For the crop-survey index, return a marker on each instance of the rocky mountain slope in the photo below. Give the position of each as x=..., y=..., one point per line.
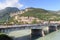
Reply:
x=5, y=13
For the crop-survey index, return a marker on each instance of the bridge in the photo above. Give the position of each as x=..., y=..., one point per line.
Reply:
x=36, y=29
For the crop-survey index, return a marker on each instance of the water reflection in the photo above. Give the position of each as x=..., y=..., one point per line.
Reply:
x=35, y=37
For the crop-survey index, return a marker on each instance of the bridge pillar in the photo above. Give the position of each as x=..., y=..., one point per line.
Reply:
x=3, y=30
x=58, y=27
x=52, y=28
x=46, y=30
x=35, y=33
x=0, y=30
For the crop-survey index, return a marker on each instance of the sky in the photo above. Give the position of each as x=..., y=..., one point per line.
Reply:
x=21, y=4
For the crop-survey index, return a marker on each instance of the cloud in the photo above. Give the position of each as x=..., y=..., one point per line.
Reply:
x=10, y=3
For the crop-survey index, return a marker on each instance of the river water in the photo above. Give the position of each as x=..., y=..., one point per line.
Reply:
x=52, y=36
x=25, y=35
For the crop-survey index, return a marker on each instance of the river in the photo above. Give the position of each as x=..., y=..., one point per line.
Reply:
x=25, y=35
x=52, y=36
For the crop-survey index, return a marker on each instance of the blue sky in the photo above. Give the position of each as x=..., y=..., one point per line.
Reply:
x=45, y=4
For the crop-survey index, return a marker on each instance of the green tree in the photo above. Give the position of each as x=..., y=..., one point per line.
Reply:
x=34, y=21
x=5, y=37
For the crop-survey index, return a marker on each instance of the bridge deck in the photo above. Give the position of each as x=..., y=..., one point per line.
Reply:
x=27, y=26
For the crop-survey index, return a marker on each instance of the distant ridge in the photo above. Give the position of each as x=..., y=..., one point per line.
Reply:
x=5, y=13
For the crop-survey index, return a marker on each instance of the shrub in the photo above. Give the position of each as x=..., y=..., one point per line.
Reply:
x=5, y=37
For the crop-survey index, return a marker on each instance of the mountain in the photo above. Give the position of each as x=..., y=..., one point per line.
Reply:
x=37, y=13
x=42, y=14
x=37, y=9
x=4, y=13
x=58, y=12
x=8, y=10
